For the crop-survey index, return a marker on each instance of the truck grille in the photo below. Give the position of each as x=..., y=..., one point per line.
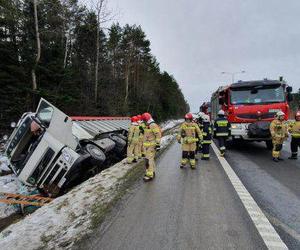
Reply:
x=51, y=175
x=59, y=176
x=44, y=162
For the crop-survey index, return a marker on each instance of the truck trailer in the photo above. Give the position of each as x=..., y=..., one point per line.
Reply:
x=53, y=152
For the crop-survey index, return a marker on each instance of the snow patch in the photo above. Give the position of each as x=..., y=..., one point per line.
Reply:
x=170, y=124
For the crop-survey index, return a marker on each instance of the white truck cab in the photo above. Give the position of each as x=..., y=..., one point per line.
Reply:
x=50, y=151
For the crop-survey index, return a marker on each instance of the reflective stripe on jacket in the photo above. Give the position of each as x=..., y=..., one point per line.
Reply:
x=189, y=132
x=222, y=127
x=295, y=129
x=152, y=135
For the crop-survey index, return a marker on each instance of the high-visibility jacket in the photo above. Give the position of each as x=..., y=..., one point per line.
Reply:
x=222, y=127
x=189, y=132
x=294, y=129
x=152, y=135
x=278, y=131
x=134, y=133
x=207, y=133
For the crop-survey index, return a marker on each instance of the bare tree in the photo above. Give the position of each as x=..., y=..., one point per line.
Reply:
x=103, y=15
x=38, y=45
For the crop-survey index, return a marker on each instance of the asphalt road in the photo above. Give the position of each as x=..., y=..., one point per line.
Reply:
x=274, y=186
x=180, y=209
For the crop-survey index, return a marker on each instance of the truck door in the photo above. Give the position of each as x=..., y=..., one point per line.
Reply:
x=57, y=123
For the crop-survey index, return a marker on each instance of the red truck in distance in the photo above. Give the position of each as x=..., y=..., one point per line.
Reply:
x=250, y=107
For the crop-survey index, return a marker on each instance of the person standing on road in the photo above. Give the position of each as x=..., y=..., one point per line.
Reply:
x=207, y=133
x=151, y=142
x=222, y=129
x=199, y=122
x=295, y=133
x=189, y=134
x=133, y=141
x=279, y=134
x=142, y=126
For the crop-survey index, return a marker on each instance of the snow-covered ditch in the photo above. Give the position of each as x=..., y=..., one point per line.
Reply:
x=70, y=217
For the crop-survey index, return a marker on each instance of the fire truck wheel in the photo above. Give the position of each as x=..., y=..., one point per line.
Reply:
x=96, y=153
x=269, y=145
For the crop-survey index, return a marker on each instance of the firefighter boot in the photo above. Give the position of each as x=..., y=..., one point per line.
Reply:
x=149, y=176
x=183, y=162
x=293, y=156
x=193, y=163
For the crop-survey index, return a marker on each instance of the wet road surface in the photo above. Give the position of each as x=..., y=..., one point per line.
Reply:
x=180, y=209
x=274, y=186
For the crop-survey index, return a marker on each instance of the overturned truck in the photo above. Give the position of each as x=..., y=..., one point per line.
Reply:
x=54, y=152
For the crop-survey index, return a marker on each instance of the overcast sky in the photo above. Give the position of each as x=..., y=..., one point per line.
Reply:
x=195, y=40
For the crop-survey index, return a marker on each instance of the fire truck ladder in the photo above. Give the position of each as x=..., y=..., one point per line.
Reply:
x=30, y=200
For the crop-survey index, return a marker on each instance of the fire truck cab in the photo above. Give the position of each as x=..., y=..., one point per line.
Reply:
x=250, y=107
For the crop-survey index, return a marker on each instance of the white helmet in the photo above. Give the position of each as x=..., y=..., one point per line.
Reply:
x=206, y=118
x=280, y=113
x=221, y=112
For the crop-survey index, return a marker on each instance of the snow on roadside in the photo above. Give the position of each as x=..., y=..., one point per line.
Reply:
x=170, y=124
x=8, y=184
x=3, y=164
x=67, y=218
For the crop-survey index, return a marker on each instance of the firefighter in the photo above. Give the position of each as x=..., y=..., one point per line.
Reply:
x=151, y=143
x=279, y=133
x=222, y=129
x=189, y=134
x=133, y=141
x=199, y=121
x=207, y=134
x=295, y=133
x=142, y=128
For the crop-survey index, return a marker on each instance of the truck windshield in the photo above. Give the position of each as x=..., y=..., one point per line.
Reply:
x=257, y=95
x=44, y=113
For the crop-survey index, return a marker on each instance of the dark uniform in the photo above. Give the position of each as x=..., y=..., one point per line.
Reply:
x=222, y=129
x=207, y=134
x=295, y=143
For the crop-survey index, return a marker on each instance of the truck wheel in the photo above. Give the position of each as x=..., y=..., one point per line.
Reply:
x=269, y=145
x=96, y=153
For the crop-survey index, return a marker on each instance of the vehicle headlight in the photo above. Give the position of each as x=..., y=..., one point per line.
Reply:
x=236, y=126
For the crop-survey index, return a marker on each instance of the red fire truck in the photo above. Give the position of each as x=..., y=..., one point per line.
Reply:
x=250, y=107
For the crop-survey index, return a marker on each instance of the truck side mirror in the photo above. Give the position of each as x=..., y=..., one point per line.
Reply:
x=289, y=89
x=289, y=97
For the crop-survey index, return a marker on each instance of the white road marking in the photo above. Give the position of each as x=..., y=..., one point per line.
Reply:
x=262, y=224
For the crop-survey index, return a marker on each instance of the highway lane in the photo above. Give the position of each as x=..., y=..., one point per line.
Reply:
x=180, y=209
x=274, y=186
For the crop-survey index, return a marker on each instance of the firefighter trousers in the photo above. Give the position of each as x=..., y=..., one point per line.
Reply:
x=133, y=152
x=295, y=144
x=188, y=154
x=222, y=142
x=150, y=161
x=205, y=150
x=277, y=146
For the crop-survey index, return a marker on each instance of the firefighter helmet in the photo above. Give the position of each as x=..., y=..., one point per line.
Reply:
x=134, y=119
x=221, y=112
x=188, y=116
x=297, y=116
x=140, y=118
x=146, y=116
x=279, y=113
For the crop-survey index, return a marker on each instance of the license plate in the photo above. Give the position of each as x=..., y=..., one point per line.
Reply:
x=274, y=110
